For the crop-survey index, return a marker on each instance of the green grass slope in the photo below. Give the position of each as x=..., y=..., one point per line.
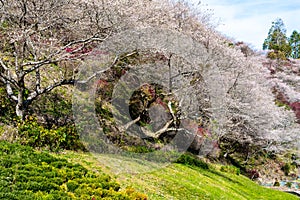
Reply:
x=179, y=181
x=182, y=182
x=29, y=174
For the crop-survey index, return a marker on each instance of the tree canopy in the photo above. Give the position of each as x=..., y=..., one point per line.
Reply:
x=294, y=42
x=213, y=93
x=277, y=39
x=282, y=46
x=41, y=42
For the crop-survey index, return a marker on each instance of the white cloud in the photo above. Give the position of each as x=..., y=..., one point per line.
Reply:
x=249, y=21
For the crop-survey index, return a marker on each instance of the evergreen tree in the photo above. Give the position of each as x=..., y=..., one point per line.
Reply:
x=294, y=42
x=277, y=40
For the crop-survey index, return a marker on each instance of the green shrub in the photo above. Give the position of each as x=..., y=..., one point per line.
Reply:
x=281, y=104
x=35, y=135
x=54, y=108
x=7, y=111
x=286, y=168
x=276, y=184
x=27, y=174
x=72, y=185
x=276, y=55
x=138, y=149
x=135, y=195
x=288, y=184
x=230, y=169
x=191, y=160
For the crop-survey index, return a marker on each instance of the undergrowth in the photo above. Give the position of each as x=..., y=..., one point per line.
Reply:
x=27, y=174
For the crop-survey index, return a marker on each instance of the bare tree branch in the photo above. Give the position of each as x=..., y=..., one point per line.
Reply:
x=235, y=82
x=51, y=59
x=129, y=124
x=115, y=61
x=36, y=93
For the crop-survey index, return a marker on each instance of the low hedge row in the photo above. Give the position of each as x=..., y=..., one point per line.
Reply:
x=28, y=174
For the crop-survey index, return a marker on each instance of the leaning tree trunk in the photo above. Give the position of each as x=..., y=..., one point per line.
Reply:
x=20, y=108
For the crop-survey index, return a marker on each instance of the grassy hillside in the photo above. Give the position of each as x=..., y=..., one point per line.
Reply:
x=179, y=181
x=28, y=174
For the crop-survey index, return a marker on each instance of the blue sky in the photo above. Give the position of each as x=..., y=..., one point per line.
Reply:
x=250, y=20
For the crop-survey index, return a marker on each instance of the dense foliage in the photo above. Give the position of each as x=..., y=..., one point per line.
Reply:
x=27, y=174
x=54, y=139
x=225, y=102
x=41, y=49
x=282, y=46
x=294, y=42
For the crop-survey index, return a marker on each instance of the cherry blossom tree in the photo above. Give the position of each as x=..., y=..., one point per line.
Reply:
x=42, y=42
x=235, y=89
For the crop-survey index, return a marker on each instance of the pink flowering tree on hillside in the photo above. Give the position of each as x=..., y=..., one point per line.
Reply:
x=42, y=42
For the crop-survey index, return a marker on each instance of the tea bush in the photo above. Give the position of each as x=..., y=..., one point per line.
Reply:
x=27, y=174
x=230, y=169
x=35, y=135
x=191, y=160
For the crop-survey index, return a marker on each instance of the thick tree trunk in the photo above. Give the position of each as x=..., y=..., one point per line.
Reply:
x=20, y=109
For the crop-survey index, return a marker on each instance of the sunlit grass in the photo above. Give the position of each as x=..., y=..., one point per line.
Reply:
x=178, y=181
